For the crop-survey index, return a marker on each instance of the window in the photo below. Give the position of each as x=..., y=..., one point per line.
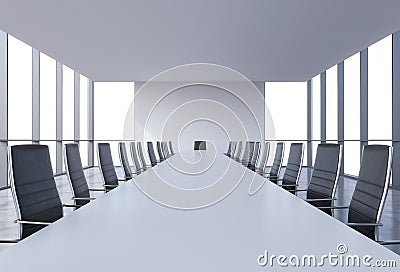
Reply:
x=84, y=85
x=290, y=120
x=111, y=103
x=68, y=103
x=47, y=97
x=380, y=90
x=352, y=114
x=331, y=104
x=116, y=98
x=19, y=90
x=316, y=113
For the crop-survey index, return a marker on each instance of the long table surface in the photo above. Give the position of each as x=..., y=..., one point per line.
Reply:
x=138, y=227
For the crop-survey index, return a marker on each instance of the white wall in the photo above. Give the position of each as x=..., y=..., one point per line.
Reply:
x=216, y=112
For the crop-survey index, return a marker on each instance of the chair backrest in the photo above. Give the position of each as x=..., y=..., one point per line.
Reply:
x=238, y=151
x=293, y=167
x=369, y=196
x=160, y=152
x=141, y=156
x=171, y=149
x=262, y=159
x=152, y=155
x=200, y=145
x=33, y=187
x=123, y=157
x=325, y=175
x=106, y=164
x=248, y=156
x=164, y=147
x=246, y=152
x=255, y=155
x=228, y=152
x=277, y=163
x=233, y=149
x=75, y=174
x=135, y=157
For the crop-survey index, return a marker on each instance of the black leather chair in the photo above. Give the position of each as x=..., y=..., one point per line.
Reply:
x=254, y=157
x=273, y=174
x=106, y=165
x=123, y=157
x=262, y=159
x=135, y=159
x=76, y=177
x=290, y=178
x=34, y=190
x=171, y=149
x=239, y=150
x=143, y=165
x=160, y=152
x=322, y=187
x=228, y=152
x=164, y=147
x=152, y=155
x=366, y=205
x=232, y=150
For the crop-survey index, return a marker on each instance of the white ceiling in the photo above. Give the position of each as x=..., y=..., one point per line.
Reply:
x=266, y=40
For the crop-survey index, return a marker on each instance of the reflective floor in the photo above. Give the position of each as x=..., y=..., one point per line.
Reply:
x=390, y=216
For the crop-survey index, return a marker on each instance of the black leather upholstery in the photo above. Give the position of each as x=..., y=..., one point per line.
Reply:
x=276, y=165
x=124, y=160
x=371, y=188
x=293, y=167
x=152, y=155
x=135, y=158
x=75, y=173
x=160, y=152
x=325, y=175
x=106, y=164
x=262, y=158
x=164, y=147
x=256, y=153
x=34, y=186
x=141, y=156
x=171, y=148
x=238, y=151
x=200, y=145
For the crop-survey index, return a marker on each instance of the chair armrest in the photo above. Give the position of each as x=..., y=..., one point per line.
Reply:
x=335, y=207
x=124, y=179
x=319, y=199
x=71, y=206
x=83, y=198
x=110, y=186
x=298, y=190
x=9, y=241
x=287, y=185
x=31, y=222
x=97, y=189
x=364, y=224
x=389, y=242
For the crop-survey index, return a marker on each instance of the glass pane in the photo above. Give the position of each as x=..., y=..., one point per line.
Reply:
x=68, y=103
x=380, y=89
x=84, y=84
x=47, y=97
x=331, y=104
x=19, y=89
x=287, y=102
x=111, y=103
x=316, y=111
x=83, y=149
x=352, y=98
x=352, y=157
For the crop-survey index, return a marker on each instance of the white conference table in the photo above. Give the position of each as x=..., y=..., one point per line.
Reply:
x=125, y=230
